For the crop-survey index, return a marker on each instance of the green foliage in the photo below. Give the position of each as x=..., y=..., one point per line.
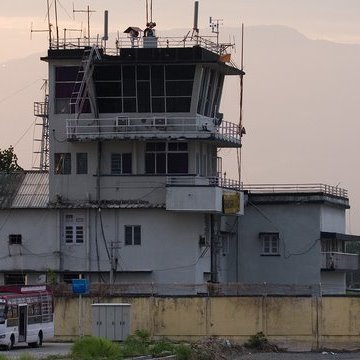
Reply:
x=91, y=347
x=51, y=277
x=137, y=344
x=26, y=357
x=3, y=357
x=162, y=348
x=183, y=352
x=8, y=161
x=257, y=341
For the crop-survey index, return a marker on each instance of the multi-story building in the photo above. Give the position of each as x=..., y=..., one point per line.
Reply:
x=135, y=191
x=135, y=185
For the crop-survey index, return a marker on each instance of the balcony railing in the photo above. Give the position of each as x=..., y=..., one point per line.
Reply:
x=203, y=181
x=123, y=127
x=339, y=261
x=296, y=188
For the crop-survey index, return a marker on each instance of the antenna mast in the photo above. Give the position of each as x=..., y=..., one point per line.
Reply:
x=88, y=11
x=56, y=25
x=215, y=27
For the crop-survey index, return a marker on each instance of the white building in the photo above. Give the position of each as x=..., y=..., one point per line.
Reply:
x=135, y=192
x=135, y=189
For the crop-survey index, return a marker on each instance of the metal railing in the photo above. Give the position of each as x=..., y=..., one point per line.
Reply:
x=122, y=126
x=339, y=261
x=296, y=188
x=195, y=180
x=206, y=42
x=206, y=289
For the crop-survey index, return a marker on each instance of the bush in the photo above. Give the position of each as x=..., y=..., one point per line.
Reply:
x=183, y=352
x=257, y=341
x=161, y=348
x=95, y=348
x=137, y=344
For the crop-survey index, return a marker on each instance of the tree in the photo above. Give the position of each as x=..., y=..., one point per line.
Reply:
x=8, y=160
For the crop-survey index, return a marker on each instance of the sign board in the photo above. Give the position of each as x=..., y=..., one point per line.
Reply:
x=231, y=203
x=80, y=286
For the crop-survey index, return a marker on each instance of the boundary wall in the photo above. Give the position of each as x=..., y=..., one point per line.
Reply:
x=293, y=323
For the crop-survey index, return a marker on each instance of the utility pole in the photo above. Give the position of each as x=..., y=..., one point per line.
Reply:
x=213, y=251
x=114, y=247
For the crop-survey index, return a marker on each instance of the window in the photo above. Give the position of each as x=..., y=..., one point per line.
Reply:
x=81, y=163
x=166, y=158
x=14, y=279
x=143, y=88
x=62, y=163
x=67, y=82
x=15, y=239
x=121, y=164
x=132, y=235
x=69, y=276
x=270, y=243
x=74, y=228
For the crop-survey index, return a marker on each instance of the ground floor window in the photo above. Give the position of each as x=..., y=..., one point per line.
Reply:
x=74, y=228
x=132, y=235
x=270, y=243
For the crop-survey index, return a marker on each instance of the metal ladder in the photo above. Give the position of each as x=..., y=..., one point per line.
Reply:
x=80, y=91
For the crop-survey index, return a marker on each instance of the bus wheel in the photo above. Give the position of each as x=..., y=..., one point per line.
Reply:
x=12, y=342
x=38, y=342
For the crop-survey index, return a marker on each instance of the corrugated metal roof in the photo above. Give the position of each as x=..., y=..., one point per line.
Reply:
x=24, y=190
x=30, y=189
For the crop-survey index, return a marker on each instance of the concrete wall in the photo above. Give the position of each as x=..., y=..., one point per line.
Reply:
x=169, y=252
x=298, y=226
x=294, y=323
x=39, y=249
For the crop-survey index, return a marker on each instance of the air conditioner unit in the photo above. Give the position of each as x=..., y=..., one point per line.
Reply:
x=122, y=122
x=160, y=123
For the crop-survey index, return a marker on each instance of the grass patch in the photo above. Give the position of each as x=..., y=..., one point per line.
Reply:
x=92, y=347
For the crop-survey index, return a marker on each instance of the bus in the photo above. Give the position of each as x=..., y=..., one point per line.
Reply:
x=26, y=315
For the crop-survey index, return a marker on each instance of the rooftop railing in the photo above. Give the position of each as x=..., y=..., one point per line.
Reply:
x=296, y=188
x=195, y=180
x=207, y=42
x=161, y=127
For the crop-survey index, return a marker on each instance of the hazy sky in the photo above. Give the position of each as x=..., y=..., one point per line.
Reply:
x=336, y=20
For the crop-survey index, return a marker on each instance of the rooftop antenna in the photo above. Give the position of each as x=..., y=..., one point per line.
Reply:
x=56, y=25
x=149, y=10
x=241, y=126
x=215, y=27
x=106, y=26
x=196, y=20
x=48, y=30
x=88, y=11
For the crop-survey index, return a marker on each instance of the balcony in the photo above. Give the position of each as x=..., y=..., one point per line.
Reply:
x=339, y=261
x=204, y=194
x=225, y=134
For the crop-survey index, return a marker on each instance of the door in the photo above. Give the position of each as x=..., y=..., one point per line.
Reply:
x=22, y=322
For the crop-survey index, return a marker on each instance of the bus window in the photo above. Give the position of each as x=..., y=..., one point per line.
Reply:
x=2, y=313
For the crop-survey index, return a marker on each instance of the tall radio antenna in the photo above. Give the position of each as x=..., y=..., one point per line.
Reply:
x=48, y=30
x=88, y=11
